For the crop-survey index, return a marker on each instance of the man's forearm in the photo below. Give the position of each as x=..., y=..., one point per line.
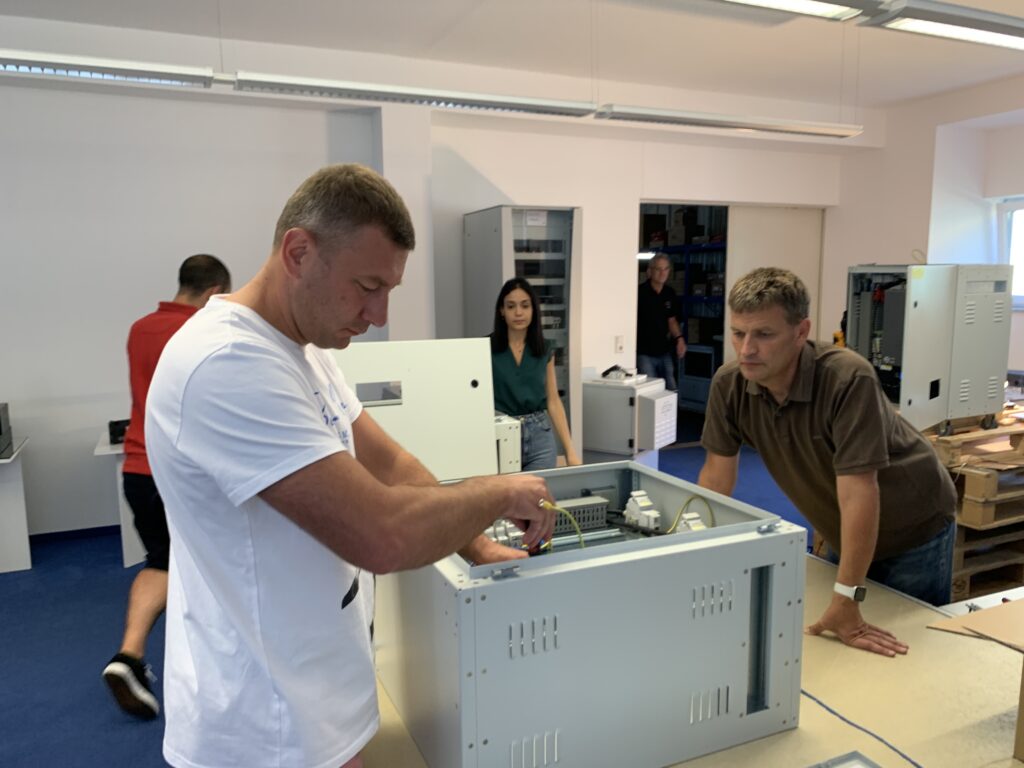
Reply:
x=859, y=512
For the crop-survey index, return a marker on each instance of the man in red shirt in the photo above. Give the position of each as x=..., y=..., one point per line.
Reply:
x=200, y=277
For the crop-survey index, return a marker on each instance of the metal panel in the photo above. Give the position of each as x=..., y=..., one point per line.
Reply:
x=483, y=271
x=928, y=347
x=440, y=379
x=981, y=339
x=638, y=653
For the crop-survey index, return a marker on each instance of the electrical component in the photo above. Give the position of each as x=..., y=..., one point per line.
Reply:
x=640, y=511
x=589, y=512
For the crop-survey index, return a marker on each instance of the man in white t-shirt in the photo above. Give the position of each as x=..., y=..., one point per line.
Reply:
x=283, y=496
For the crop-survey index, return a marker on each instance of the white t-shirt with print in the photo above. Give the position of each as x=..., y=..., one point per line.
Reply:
x=268, y=657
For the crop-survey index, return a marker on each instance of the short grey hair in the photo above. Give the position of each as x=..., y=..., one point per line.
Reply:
x=768, y=287
x=336, y=201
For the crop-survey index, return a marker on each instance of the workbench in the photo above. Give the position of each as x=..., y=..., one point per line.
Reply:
x=951, y=702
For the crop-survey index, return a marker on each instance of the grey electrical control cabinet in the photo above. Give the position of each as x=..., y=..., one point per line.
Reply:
x=938, y=335
x=627, y=416
x=639, y=650
x=541, y=245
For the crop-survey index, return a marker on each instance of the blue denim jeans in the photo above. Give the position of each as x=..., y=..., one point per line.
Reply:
x=659, y=367
x=924, y=572
x=538, y=442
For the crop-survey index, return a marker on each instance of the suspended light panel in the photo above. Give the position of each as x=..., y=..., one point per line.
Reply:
x=819, y=8
x=25, y=63
x=938, y=19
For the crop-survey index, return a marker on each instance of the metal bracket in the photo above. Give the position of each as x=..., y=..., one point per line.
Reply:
x=504, y=573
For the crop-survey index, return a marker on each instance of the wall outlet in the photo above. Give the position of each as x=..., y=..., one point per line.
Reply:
x=620, y=344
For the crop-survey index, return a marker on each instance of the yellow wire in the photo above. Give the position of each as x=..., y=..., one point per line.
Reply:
x=555, y=508
x=682, y=511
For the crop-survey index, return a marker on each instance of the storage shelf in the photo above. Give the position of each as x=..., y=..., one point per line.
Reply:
x=528, y=256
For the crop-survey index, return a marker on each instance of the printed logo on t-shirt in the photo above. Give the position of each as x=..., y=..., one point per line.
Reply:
x=331, y=416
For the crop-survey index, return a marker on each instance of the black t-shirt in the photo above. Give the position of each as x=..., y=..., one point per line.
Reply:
x=652, y=313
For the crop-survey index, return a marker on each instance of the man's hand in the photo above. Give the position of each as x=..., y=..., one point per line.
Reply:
x=680, y=347
x=523, y=507
x=483, y=550
x=842, y=618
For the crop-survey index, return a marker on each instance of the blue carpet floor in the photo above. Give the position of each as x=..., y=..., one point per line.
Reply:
x=754, y=485
x=59, y=625
x=62, y=621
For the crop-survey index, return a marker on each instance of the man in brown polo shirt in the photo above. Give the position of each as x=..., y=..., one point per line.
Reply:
x=868, y=482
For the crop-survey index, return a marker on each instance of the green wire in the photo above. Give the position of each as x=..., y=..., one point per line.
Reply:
x=686, y=505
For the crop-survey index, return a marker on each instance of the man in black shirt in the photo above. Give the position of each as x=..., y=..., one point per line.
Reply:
x=659, y=341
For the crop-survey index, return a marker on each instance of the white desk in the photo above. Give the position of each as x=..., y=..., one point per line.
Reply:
x=14, y=551
x=132, y=550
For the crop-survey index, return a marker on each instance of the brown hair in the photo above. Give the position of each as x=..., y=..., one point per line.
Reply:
x=770, y=286
x=338, y=200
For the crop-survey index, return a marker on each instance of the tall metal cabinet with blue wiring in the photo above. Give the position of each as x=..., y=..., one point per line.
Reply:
x=619, y=645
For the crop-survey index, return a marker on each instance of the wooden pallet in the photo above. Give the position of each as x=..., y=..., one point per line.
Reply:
x=987, y=579
x=957, y=450
x=987, y=561
x=971, y=544
x=991, y=491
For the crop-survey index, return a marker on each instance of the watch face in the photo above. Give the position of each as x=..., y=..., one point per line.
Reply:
x=860, y=593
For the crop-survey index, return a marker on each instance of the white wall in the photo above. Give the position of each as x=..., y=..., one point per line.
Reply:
x=886, y=212
x=1004, y=162
x=479, y=162
x=963, y=222
x=762, y=236
x=103, y=197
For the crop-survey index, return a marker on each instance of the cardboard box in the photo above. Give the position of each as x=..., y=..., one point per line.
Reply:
x=677, y=235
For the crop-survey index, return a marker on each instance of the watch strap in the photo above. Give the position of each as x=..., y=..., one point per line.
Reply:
x=854, y=593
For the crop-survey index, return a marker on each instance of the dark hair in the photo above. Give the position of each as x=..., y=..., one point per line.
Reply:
x=201, y=272
x=768, y=287
x=534, y=335
x=337, y=200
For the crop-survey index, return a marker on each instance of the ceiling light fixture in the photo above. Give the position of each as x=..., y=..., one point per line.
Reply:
x=929, y=17
x=341, y=89
x=841, y=10
x=25, y=63
x=731, y=122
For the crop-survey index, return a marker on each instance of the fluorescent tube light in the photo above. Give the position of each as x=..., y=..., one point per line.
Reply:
x=26, y=63
x=837, y=11
x=646, y=255
x=342, y=89
x=929, y=17
x=733, y=122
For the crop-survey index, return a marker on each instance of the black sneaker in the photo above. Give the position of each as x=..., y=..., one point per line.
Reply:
x=129, y=681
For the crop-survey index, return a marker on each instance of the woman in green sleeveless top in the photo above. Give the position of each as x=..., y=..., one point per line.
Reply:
x=524, y=377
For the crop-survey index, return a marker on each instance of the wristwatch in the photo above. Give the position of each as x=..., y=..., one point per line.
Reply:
x=854, y=593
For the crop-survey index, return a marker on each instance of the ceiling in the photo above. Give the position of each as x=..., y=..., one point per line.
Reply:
x=701, y=45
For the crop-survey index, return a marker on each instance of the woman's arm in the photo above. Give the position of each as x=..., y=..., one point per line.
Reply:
x=556, y=413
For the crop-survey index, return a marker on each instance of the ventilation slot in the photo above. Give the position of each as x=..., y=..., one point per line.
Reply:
x=965, y=390
x=758, y=643
x=970, y=312
x=535, y=751
x=995, y=388
x=709, y=704
x=999, y=311
x=534, y=636
x=709, y=599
